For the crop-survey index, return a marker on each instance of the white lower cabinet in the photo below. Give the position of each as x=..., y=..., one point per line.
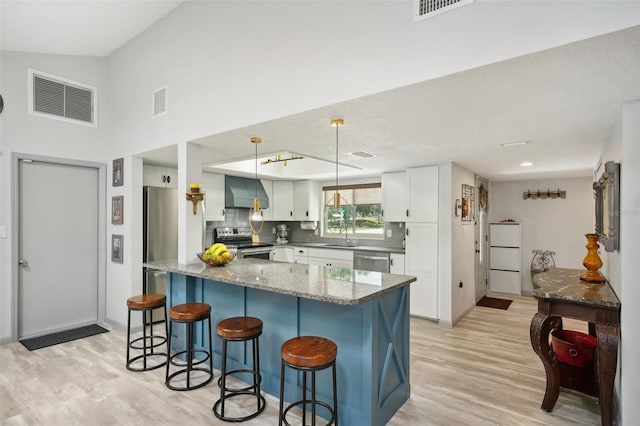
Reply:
x=329, y=257
x=421, y=261
x=301, y=255
x=396, y=263
x=282, y=254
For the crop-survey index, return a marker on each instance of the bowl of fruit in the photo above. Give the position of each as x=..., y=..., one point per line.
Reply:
x=216, y=255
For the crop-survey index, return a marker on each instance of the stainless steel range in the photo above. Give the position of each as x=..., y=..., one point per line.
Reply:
x=240, y=239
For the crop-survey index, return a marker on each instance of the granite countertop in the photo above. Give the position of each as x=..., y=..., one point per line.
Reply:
x=565, y=284
x=343, y=247
x=340, y=286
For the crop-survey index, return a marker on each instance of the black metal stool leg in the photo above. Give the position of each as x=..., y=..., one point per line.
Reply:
x=166, y=378
x=128, y=334
x=335, y=395
x=223, y=376
x=313, y=398
x=257, y=378
x=280, y=412
x=189, y=352
x=304, y=398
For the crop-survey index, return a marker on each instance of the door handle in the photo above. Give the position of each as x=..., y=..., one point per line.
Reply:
x=23, y=263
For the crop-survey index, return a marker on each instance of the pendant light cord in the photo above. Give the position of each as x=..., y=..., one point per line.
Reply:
x=337, y=126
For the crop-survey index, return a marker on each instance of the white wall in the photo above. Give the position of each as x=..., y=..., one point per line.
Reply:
x=29, y=134
x=627, y=287
x=462, y=249
x=547, y=224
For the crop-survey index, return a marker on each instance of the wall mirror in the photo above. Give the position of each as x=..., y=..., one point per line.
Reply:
x=607, y=194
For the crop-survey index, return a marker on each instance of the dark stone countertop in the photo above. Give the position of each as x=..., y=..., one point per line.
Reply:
x=565, y=284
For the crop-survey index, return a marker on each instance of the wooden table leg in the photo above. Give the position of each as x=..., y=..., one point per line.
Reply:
x=541, y=327
x=607, y=359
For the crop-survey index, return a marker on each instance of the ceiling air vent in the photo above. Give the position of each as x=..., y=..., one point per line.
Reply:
x=61, y=99
x=428, y=8
x=160, y=102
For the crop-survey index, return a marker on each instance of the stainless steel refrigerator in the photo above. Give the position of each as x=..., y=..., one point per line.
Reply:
x=160, y=239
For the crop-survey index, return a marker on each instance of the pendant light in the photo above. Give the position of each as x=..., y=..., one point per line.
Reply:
x=255, y=212
x=337, y=123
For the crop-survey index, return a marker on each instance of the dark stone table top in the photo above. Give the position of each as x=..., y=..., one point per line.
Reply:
x=565, y=284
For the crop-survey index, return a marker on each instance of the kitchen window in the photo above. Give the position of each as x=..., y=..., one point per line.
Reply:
x=359, y=214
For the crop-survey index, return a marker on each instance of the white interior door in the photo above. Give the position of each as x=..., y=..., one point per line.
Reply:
x=58, y=247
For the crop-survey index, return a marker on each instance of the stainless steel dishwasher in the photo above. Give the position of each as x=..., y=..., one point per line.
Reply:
x=371, y=260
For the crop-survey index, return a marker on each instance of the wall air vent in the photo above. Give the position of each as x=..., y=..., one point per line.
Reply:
x=429, y=8
x=62, y=99
x=160, y=102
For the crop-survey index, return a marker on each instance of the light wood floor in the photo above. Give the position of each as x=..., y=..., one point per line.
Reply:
x=482, y=372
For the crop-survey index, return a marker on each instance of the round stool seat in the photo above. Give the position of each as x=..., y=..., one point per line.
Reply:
x=309, y=351
x=146, y=301
x=239, y=328
x=189, y=312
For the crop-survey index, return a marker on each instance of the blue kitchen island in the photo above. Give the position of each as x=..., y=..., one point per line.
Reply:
x=365, y=313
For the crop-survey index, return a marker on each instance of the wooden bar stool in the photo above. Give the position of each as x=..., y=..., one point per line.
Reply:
x=146, y=303
x=239, y=329
x=189, y=314
x=308, y=354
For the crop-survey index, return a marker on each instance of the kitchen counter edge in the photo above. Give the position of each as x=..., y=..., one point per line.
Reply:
x=289, y=278
x=398, y=250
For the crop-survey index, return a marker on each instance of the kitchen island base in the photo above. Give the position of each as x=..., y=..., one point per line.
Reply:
x=372, y=339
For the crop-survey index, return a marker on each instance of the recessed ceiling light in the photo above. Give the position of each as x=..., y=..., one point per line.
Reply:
x=363, y=154
x=526, y=164
x=517, y=143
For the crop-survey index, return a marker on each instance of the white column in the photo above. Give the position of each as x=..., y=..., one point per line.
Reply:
x=190, y=226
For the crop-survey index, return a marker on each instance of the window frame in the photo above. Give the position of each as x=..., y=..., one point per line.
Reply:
x=362, y=235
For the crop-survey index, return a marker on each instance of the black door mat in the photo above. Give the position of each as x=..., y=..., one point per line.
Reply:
x=62, y=337
x=493, y=302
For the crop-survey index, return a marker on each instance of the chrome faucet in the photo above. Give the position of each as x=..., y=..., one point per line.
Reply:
x=347, y=241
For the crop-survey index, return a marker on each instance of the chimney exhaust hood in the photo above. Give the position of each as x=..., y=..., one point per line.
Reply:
x=240, y=192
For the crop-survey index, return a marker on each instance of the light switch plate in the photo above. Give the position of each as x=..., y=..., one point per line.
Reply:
x=3, y=231
x=389, y=233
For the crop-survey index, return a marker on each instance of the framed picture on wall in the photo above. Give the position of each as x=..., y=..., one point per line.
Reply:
x=118, y=172
x=117, y=248
x=116, y=210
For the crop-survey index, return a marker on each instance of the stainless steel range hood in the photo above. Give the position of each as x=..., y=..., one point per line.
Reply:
x=240, y=192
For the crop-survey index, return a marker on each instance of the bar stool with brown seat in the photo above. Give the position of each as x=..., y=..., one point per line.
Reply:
x=239, y=329
x=149, y=357
x=189, y=314
x=308, y=354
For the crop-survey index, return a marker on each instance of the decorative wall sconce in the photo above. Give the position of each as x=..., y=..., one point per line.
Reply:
x=195, y=196
x=279, y=159
x=544, y=194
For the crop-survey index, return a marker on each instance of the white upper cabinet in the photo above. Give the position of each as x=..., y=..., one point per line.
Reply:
x=282, y=198
x=423, y=194
x=213, y=188
x=267, y=214
x=394, y=197
x=306, y=200
x=159, y=176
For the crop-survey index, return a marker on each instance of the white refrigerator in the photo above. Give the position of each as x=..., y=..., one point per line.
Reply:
x=505, y=264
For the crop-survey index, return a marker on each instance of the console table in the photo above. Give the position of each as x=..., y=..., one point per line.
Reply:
x=561, y=294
